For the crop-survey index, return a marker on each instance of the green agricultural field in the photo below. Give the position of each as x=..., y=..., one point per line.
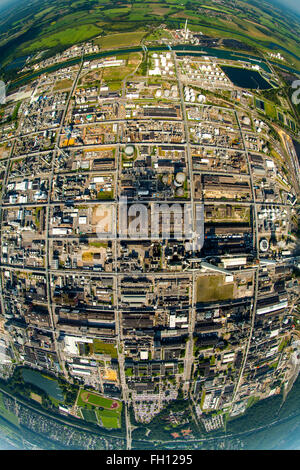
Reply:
x=120, y=40
x=66, y=37
x=63, y=23
x=116, y=12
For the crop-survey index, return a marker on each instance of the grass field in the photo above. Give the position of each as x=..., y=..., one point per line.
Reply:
x=104, y=348
x=66, y=37
x=111, y=422
x=89, y=415
x=36, y=397
x=270, y=110
x=213, y=288
x=98, y=244
x=120, y=40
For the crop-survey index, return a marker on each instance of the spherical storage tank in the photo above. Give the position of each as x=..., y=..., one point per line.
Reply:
x=179, y=179
x=129, y=150
x=264, y=244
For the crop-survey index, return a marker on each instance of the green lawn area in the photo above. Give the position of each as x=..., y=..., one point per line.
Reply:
x=93, y=399
x=284, y=342
x=110, y=422
x=105, y=195
x=270, y=110
x=158, y=34
x=115, y=85
x=104, y=348
x=98, y=244
x=113, y=76
x=109, y=418
x=129, y=372
x=213, y=288
x=120, y=40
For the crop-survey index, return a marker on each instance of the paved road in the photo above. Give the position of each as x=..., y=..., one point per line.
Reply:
x=189, y=351
x=48, y=256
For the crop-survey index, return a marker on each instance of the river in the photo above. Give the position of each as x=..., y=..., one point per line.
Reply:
x=179, y=49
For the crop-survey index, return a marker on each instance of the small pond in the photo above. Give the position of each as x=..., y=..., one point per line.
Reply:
x=50, y=386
